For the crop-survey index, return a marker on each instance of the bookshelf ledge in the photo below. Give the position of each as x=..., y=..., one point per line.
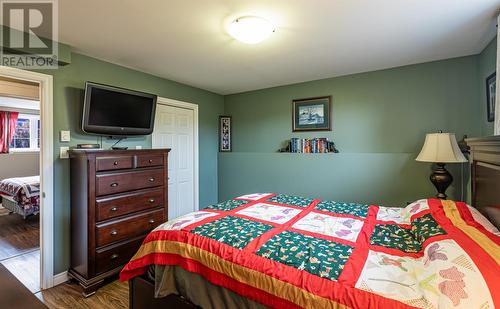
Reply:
x=305, y=145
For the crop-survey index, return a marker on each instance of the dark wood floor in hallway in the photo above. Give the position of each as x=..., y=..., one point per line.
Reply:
x=18, y=236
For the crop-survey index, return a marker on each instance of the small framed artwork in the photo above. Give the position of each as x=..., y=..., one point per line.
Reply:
x=312, y=114
x=491, y=87
x=225, y=133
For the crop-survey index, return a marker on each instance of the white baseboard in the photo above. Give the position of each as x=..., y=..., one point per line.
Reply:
x=61, y=278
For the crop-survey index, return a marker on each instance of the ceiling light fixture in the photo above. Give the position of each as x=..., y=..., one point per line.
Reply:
x=250, y=29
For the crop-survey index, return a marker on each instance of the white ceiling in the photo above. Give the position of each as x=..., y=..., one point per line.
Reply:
x=185, y=40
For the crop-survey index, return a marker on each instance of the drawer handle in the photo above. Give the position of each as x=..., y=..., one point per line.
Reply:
x=114, y=257
x=114, y=232
x=115, y=163
x=114, y=208
x=150, y=161
x=152, y=221
x=114, y=184
x=151, y=179
x=151, y=200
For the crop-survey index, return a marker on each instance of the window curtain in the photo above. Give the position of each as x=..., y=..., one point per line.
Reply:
x=8, y=121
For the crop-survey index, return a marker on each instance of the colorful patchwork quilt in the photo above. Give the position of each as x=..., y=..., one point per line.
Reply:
x=24, y=191
x=293, y=252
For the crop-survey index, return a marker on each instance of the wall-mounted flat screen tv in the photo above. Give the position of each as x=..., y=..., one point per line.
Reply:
x=114, y=111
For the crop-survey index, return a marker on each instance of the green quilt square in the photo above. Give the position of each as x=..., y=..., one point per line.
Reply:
x=233, y=231
x=227, y=205
x=354, y=209
x=317, y=256
x=425, y=227
x=291, y=200
x=407, y=240
x=395, y=237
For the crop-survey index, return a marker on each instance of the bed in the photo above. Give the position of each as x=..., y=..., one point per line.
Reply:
x=275, y=250
x=21, y=195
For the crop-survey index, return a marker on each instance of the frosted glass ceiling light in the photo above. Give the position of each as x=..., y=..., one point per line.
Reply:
x=250, y=29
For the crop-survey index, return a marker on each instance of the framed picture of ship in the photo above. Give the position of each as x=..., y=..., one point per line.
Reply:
x=311, y=114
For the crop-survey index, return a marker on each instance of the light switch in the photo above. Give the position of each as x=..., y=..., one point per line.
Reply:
x=63, y=152
x=65, y=136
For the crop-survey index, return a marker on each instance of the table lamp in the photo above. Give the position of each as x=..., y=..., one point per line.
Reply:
x=441, y=148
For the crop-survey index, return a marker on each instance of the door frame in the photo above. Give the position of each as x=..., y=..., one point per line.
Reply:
x=46, y=169
x=196, y=176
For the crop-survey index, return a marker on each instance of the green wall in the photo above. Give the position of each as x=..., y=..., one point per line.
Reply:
x=68, y=94
x=487, y=63
x=379, y=123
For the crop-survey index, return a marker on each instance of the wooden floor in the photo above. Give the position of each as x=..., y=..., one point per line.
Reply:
x=26, y=268
x=18, y=236
x=20, y=254
x=69, y=295
x=19, y=248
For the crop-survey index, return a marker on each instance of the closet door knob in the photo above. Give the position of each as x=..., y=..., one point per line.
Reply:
x=114, y=232
x=114, y=184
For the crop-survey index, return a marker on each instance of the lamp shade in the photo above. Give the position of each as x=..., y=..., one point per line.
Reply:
x=441, y=148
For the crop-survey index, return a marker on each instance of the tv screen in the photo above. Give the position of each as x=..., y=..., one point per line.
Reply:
x=113, y=111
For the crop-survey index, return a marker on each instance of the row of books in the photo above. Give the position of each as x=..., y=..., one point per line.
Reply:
x=314, y=145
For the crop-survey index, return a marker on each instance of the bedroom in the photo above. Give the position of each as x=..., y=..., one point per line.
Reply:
x=388, y=90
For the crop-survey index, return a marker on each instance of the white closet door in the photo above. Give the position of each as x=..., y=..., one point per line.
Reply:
x=174, y=129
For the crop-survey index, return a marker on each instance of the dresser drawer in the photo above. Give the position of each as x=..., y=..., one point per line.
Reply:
x=129, y=227
x=116, y=255
x=127, y=181
x=114, y=163
x=149, y=160
x=111, y=207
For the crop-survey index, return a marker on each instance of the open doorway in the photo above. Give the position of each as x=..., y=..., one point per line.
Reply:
x=26, y=176
x=20, y=180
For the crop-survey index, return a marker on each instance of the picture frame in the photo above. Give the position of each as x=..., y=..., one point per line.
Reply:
x=491, y=82
x=312, y=114
x=225, y=134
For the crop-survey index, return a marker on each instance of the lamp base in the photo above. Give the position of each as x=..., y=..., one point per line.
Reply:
x=441, y=179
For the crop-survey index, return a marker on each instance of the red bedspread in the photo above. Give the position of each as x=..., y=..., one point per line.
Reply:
x=286, y=251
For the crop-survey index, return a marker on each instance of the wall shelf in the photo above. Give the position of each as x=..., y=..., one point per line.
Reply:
x=309, y=146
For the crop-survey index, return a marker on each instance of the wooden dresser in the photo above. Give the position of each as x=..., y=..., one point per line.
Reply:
x=117, y=197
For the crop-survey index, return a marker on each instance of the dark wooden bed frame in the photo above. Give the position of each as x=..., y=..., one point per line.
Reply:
x=485, y=176
x=485, y=181
x=141, y=296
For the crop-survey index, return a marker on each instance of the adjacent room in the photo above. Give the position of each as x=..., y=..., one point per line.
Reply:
x=20, y=180
x=249, y=154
